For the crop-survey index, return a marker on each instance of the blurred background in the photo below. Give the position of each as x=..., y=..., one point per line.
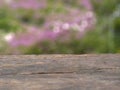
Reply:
x=59, y=26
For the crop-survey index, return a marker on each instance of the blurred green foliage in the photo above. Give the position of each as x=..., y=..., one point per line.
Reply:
x=7, y=21
x=103, y=38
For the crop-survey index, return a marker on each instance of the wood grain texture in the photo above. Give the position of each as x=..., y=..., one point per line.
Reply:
x=60, y=72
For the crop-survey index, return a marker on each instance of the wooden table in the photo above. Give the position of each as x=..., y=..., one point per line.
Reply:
x=60, y=72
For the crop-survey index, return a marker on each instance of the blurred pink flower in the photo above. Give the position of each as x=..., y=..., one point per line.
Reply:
x=29, y=4
x=56, y=26
x=74, y=20
x=32, y=37
x=87, y=4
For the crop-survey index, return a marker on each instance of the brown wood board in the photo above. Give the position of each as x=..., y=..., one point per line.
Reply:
x=60, y=72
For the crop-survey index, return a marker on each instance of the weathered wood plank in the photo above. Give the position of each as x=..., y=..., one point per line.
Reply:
x=60, y=72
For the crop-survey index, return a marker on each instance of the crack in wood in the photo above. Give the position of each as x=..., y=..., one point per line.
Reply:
x=47, y=73
x=77, y=71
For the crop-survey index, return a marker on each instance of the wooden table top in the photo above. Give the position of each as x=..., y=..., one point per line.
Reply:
x=60, y=72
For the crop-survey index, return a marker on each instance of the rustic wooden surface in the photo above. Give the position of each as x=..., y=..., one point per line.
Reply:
x=60, y=72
